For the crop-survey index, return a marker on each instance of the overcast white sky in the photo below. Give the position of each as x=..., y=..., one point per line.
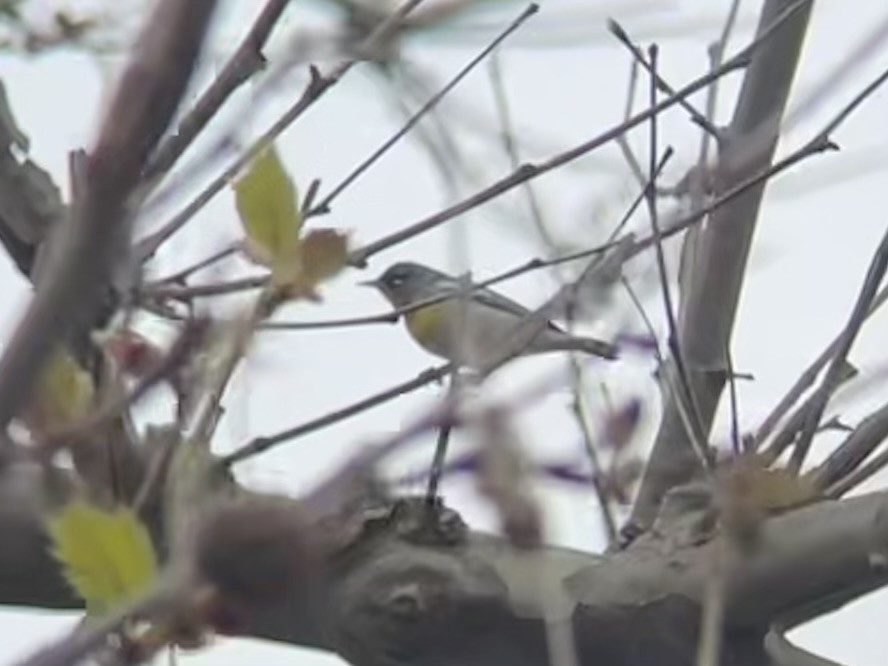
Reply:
x=817, y=231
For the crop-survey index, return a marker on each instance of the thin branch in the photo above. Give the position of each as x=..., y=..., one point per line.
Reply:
x=676, y=226
x=736, y=445
x=246, y=61
x=683, y=390
x=317, y=86
x=203, y=419
x=598, y=477
x=620, y=33
x=698, y=179
x=83, y=640
x=790, y=431
x=163, y=290
x=639, y=307
x=438, y=462
x=807, y=378
x=839, y=468
x=855, y=102
x=716, y=55
x=504, y=116
x=324, y=206
x=262, y=444
x=80, y=259
x=863, y=473
x=359, y=256
x=865, y=300
x=181, y=276
x=622, y=140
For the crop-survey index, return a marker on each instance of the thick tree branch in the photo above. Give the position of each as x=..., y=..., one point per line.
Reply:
x=30, y=203
x=709, y=298
x=80, y=260
x=492, y=612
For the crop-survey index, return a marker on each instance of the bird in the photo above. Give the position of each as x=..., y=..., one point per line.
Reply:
x=486, y=323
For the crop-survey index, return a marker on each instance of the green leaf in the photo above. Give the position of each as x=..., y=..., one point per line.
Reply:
x=266, y=201
x=107, y=556
x=64, y=393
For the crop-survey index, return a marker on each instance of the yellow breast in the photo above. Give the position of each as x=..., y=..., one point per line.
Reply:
x=428, y=327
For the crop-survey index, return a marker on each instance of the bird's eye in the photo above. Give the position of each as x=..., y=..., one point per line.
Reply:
x=397, y=279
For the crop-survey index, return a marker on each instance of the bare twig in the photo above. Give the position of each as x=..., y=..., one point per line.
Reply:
x=510, y=145
x=736, y=445
x=581, y=411
x=716, y=55
x=807, y=378
x=180, y=276
x=675, y=226
x=85, y=639
x=80, y=260
x=622, y=140
x=617, y=31
x=863, y=440
x=793, y=426
x=324, y=205
x=204, y=417
x=317, y=86
x=683, y=389
x=438, y=461
x=359, y=256
x=262, y=444
x=164, y=290
x=246, y=61
x=834, y=371
x=866, y=471
x=651, y=199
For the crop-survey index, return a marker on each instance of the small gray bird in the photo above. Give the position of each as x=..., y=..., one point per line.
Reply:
x=484, y=318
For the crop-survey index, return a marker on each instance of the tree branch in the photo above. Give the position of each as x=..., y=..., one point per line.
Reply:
x=633, y=606
x=838, y=364
x=30, y=203
x=716, y=275
x=81, y=259
x=246, y=60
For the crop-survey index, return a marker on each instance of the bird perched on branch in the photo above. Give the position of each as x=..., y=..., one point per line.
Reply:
x=465, y=324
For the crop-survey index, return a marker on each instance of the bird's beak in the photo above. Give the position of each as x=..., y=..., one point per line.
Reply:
x=371, y=283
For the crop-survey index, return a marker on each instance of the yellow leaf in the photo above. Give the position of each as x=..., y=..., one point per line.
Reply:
x=64, y=393
x=768, y=489
x=266, y=200
x=778, y=488
x=322, y=254
x=107, y=556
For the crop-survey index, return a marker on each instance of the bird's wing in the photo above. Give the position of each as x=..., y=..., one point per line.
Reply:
x=495, y=300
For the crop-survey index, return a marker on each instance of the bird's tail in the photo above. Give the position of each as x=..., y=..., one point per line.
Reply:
x=589, y=346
